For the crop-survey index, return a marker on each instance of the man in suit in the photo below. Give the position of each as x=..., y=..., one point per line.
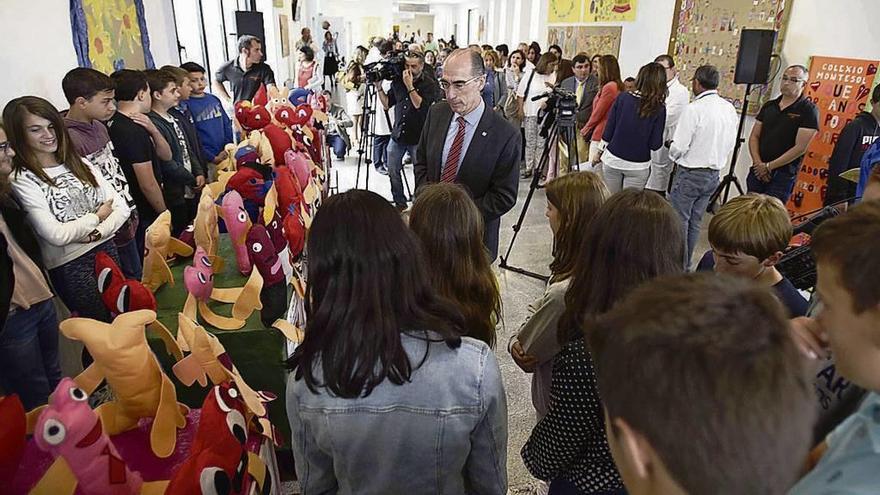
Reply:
x=463, y=141
x=584, y=84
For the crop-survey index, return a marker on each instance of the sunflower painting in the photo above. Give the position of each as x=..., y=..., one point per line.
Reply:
x=109, y=35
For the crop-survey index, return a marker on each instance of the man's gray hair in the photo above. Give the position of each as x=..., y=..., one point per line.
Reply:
x=478, y=68
x=245, y=41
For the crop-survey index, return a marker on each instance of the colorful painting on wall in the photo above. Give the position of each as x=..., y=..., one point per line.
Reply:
x=567, y=11
x=840, y=88
x=592, y=40
x=708, y=33
x=109, y=35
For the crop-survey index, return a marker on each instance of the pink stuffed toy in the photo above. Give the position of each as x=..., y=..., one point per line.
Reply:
x=199, y=278
x=238, y=223
x=301, y=166
x=68, y=428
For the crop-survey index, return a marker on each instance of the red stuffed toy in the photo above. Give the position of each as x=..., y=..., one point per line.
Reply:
x=252, y=181
x=217, y=457
x=300, y=115
x=289, y=191
x=118, y=294
x=280, y=141
x=13, y=427
x=251, y=117
x=276, y=230
x=295, y=232
x=261, y=97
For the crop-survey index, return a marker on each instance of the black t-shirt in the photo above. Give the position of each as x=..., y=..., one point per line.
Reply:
x=244, y=83
x=779, y=129
x=409, y=120
x=132, y=144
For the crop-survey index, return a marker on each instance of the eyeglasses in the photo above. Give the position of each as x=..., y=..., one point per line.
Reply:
x=458, y=85
x=5, y=146
x=791, y=79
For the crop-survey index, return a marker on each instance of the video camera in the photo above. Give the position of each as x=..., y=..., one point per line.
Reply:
x=386, y=70
x=561, y=108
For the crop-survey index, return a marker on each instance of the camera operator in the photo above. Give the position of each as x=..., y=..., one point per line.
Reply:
x=411, y=94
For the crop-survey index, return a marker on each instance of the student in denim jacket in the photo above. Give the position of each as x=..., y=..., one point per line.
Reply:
x=385, y=397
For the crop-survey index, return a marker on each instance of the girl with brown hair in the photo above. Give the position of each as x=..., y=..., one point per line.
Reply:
x=446, y=220
x=572, y=202
x=610, y=86
x=73, y=210
x=635, y=128
x=635, y=236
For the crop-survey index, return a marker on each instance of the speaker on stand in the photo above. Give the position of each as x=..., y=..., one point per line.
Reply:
x=752, y=67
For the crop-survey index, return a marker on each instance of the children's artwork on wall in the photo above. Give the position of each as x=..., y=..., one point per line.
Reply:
x=840, y=88
x=283, y=29
x=592, y=40
x=561, y=11
x=109, y=35
x=709, y=32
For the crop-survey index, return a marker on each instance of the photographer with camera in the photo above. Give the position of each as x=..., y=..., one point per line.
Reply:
x=412, y=93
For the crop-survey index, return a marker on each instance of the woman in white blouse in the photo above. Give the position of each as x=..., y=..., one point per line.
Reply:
x=71, y=207
x=535, y=84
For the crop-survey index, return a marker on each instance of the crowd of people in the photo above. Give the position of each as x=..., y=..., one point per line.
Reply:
x=646, y=379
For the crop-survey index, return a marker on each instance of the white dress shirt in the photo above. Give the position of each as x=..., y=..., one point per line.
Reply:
x=706, y=133
x=676, y=101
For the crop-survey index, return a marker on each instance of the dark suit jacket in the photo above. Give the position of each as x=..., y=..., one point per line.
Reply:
x=489, y=169
x=586, y=106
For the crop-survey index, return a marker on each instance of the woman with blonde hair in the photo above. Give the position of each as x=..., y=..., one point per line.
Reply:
x=447, y=221
x=572, y=202
x=495, y=90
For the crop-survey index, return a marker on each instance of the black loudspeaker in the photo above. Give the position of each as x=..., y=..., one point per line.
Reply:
x=251, y=23
x=753, y=58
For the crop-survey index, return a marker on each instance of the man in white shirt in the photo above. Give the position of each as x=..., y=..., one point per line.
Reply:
x=701, y=146
x=676, y=101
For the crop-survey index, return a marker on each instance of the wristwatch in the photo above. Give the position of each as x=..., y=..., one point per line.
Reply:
x=94, y=236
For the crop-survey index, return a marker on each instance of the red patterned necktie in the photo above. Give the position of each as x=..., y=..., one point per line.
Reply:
x=450, y=169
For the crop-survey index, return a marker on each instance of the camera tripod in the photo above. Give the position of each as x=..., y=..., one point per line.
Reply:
x=369, y=109
x=555, y=129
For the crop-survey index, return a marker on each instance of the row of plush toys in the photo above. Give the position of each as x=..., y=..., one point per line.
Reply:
x=265, y=196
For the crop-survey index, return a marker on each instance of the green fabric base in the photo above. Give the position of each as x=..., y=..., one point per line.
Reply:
x=257, y=352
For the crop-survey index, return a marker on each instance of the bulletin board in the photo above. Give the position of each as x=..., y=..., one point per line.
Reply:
x=568, y=11
x=708, y=32
x=840, y=88
x=592, y=40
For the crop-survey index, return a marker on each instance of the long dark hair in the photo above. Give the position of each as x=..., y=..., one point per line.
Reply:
x=450, y=227
x=652, y=88
x=635, y=236
x=25, y=158
x=367, y=284
x=577, y=197
x=522, y=65
x=609, y=71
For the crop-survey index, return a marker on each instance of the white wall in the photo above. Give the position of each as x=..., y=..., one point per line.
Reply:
x=35, y=62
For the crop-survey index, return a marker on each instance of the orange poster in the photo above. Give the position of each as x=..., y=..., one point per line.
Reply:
x=840, y=88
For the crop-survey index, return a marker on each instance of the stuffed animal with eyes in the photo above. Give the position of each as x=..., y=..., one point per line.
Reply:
x=118, y=294
x=71, y=431
x=238, y=223
x=273, y=295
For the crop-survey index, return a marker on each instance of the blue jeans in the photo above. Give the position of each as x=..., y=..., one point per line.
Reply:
x=338, y=144
x=29, y=354
x=77, y=286
x=780, y=186
x=380, y=150
x=689, y=195
x=130, y=260
x=395, y=166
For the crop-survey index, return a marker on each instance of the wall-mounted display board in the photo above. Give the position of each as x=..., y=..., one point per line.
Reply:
x=592, y=40
x=708, y=32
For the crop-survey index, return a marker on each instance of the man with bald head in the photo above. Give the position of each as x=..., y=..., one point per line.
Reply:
x=464, y=141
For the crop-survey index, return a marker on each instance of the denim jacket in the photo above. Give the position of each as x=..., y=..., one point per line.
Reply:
x=443, y=432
